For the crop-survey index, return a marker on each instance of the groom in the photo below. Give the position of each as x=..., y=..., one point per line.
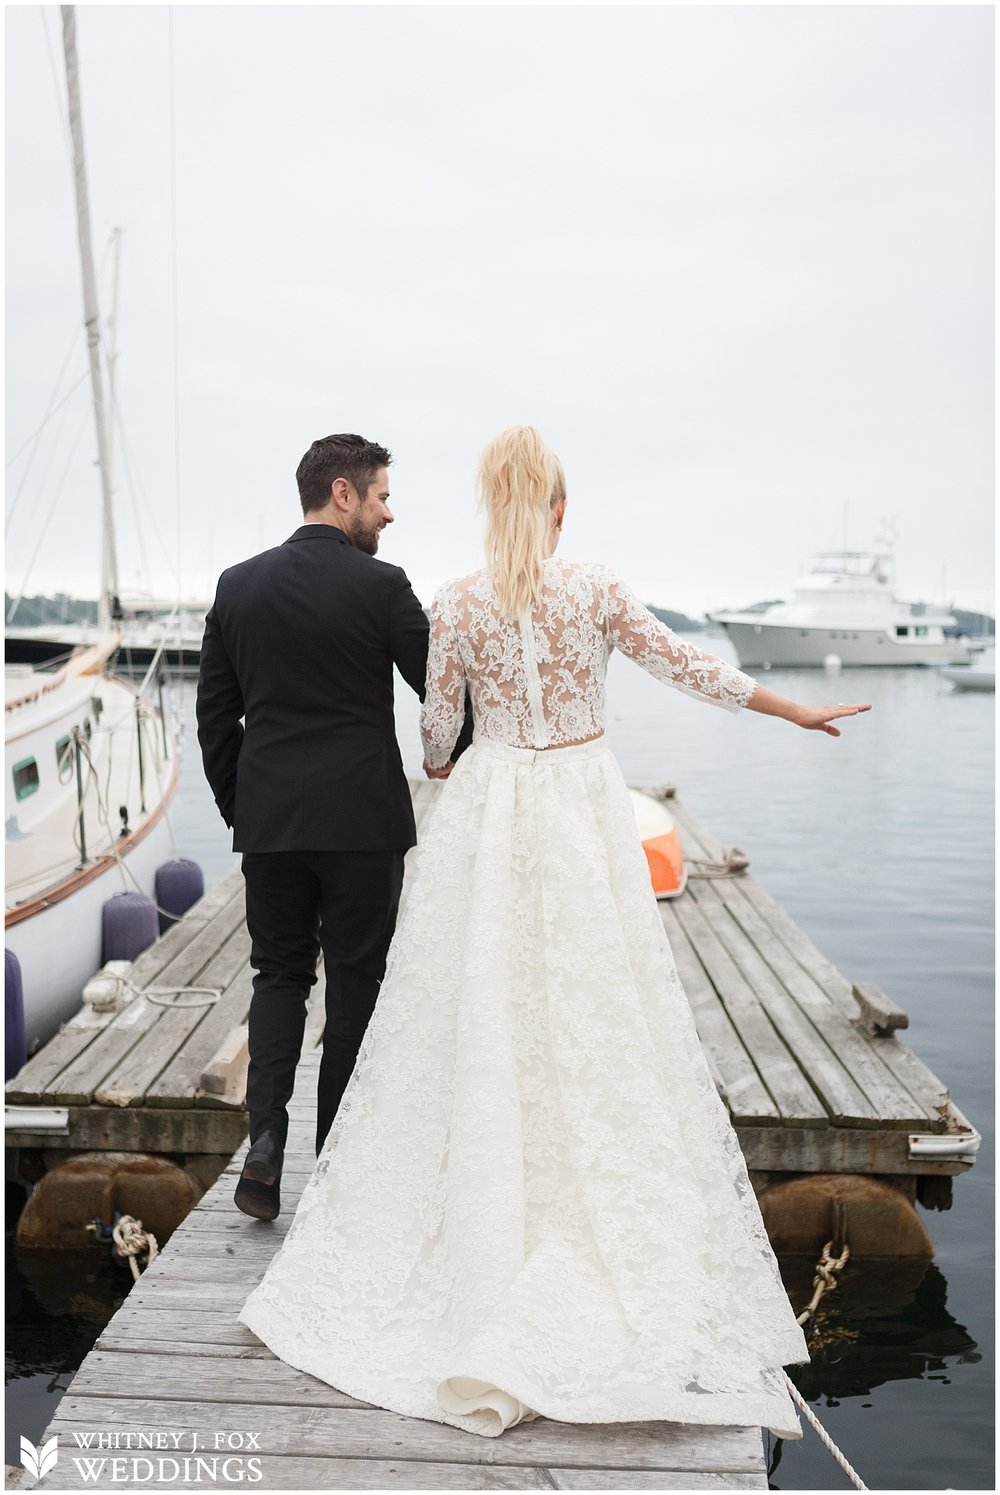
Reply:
x=300, y=643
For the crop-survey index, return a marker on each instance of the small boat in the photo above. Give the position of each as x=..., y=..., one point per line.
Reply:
x=662, y=845
x=844, y=605
x=980, y=675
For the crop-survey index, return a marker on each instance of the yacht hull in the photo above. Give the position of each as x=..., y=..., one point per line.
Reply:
x=762, y=644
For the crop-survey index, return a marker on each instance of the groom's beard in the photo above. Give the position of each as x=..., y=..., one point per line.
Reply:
x=363, y=536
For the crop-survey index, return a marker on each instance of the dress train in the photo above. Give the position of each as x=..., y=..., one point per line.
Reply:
x=532, y=1201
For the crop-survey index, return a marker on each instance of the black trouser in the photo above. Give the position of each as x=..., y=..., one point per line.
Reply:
x=344, y=902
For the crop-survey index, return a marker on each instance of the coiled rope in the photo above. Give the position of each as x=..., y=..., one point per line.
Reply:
x=734, y=860
x=130, y=1239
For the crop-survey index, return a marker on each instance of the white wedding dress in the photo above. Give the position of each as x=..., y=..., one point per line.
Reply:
x=532, y=1201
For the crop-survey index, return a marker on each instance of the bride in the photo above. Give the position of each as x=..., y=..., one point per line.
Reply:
x=532, y=1201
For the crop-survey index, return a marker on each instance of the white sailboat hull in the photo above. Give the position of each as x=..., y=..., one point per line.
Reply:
x=68, y=849
x=59, y=945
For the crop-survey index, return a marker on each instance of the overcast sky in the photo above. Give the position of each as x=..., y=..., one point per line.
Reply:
x=735, y=263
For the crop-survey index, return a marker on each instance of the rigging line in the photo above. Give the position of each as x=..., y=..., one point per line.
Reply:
x=176, y=341
x=173, y=267
x=50, y=411
x=129, y=476
x=52, y=508
x=134, y=474
x=41, y=484
x=118, y=425
x=132, y=469
x=83, y=377
x=149, y=720
x=45, y=418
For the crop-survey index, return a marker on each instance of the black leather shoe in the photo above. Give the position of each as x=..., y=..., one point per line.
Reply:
x=258, y=1192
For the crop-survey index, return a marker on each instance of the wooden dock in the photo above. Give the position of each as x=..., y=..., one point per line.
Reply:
x=814, y=1074
x=811, y=1066
x=174, y=1361
x=133, y=1080
x=810, y=1063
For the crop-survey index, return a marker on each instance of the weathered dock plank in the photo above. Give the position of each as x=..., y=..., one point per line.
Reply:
x=164, y=1029
x=747, y=1097
x=174, y=1361
x=187, y=1129
x=923, y=1085
x=847, y=1069
x=69, y=1069
x=290, y=1472
x=776, y=1063
x=36, y=1081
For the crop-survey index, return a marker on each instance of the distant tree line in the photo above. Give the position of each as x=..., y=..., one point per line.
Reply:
x=33, y=612
x=679, y=622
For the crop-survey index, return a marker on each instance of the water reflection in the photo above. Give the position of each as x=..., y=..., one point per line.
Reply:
x=885, y=1324
x=57, y=1303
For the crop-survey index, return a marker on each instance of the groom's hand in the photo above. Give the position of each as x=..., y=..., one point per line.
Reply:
x=437, y=773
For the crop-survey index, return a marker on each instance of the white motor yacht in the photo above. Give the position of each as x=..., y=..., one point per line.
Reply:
x=844, y=605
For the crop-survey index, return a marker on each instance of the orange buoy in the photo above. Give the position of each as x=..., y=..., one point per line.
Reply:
x=662, y=845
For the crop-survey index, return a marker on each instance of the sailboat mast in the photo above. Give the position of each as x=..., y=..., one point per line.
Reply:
x=113, y=589
x=91, y=319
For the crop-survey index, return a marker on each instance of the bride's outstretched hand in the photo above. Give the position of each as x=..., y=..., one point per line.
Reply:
x=820, y=717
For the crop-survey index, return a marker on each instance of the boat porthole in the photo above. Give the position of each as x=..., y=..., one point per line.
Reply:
x=25, y=778
x=64, y=759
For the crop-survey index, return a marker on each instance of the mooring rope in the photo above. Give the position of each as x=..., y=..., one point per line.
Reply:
x=734, y=860
x=130, y=1238
x=207, y=996
x=824, y=1281
x=847, y=1467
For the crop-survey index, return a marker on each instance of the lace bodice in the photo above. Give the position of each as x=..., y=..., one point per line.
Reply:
x=539, y=681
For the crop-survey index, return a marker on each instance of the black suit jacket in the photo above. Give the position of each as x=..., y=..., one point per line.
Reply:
x=301, y=642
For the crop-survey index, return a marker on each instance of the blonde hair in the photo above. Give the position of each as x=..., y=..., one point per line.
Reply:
x=520, y=482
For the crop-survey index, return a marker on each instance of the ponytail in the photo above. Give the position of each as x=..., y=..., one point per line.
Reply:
x=520, y=481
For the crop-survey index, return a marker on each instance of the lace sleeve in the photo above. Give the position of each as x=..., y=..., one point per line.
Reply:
x=443, y=710
x=636, y=632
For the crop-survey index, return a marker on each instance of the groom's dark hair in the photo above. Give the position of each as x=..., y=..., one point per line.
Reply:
x=350, y=457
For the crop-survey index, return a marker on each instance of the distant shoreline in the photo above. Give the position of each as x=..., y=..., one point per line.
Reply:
x=40, y=611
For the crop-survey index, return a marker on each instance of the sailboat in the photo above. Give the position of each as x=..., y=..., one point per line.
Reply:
x=92, y=762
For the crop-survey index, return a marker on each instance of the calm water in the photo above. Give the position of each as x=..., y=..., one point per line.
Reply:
x=880, y=845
